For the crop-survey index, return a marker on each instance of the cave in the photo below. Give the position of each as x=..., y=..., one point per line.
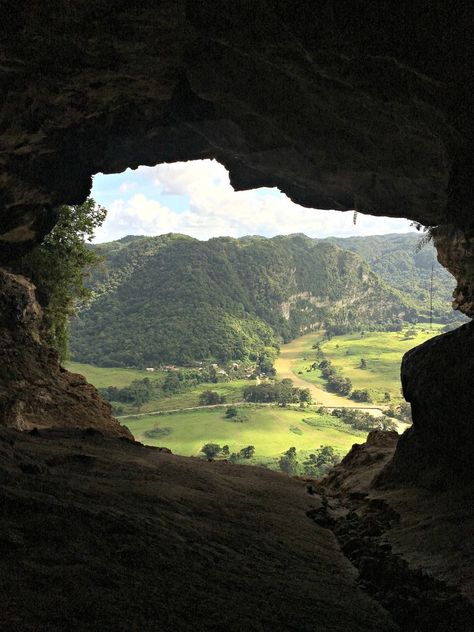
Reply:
x=363, y=106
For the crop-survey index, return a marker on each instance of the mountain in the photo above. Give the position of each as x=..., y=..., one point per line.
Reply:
x=173, y=298
x=400, y=261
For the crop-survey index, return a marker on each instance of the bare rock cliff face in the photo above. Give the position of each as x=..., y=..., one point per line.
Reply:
x=35, y=391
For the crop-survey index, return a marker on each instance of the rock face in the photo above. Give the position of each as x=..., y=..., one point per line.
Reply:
x=360, y=467
x=408, y=544
x=456, y=253
x=103, y=534
x=34, y=390
x=438, y=381
x=342, y=105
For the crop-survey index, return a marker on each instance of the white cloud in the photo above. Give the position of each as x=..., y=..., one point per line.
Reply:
x=215, y=209
x=127, y=186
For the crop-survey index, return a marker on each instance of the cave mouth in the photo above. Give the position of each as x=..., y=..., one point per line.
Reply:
x=196, y=198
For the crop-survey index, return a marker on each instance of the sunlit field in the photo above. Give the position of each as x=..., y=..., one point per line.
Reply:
x=271, y=429
x=381, y=351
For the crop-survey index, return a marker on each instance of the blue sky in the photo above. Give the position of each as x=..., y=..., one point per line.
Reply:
x=196, y=198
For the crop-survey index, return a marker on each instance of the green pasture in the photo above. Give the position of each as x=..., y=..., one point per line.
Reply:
x=272, y=430
x=382, y=352
x=232, y=391
x=101, y=377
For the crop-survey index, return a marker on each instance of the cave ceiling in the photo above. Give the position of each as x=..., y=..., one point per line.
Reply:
x=354, y=105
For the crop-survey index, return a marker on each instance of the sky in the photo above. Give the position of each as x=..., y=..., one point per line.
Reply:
x=195, y=198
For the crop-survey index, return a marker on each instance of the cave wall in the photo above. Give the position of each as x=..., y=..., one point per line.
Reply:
x=35, y=391
x=348, y=105
x=354, y=105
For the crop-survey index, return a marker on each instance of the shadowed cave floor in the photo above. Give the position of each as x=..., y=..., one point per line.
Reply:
x=105, y=534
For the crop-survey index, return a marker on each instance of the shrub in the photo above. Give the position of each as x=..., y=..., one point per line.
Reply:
x=210, y=398
x=361, y=395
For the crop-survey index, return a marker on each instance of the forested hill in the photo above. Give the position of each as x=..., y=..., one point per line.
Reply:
x=173, y=298
x=400, y=261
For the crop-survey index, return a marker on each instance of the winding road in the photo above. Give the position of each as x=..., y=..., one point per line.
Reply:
x=294, y=351
x=297, y=349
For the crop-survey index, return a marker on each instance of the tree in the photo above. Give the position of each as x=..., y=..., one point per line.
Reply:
x=265, y=364
x=288, y=462
x=401, y=412
x=172, y=383
x=225, y=450
x=305, y=396
x=211, y=450
x=248, y=452
x=140, y=392
x=59, y=267
x=361, y=395
x=286, y=394
x=320, y=461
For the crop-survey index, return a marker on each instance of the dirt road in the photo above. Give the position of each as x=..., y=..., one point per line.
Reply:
x=294, y=351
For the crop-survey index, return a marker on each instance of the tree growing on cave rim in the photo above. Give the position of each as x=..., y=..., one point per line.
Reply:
x=59, y=267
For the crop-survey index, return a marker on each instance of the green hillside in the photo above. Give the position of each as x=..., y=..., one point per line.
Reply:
x=176, y=299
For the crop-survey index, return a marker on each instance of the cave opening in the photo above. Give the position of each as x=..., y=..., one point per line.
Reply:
x=196, y=199
x=364, y=106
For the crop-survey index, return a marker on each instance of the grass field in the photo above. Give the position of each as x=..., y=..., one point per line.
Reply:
x=101, y=377
x=232, y=392
x=104, y=376
x=382, y=352
x=271, y=429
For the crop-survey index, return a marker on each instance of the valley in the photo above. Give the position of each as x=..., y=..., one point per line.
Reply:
x=224, y=324
x=181, y=423
x=379, y=373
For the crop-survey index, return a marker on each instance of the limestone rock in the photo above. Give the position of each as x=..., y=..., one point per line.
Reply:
x=359, y=468
x=456, y=253
x=35, y=391
x=438, y=381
